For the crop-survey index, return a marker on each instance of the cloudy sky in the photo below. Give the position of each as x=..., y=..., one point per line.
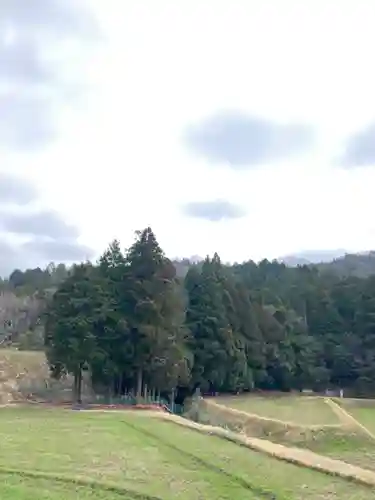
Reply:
x=245, y=127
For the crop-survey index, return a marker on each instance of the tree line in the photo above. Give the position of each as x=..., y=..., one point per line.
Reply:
x=130, y=322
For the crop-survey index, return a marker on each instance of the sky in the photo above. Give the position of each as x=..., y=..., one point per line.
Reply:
x=245, y=127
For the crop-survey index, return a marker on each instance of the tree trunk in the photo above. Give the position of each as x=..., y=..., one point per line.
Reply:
x=75, y=387
x=120, y=384
x=79, y=385
x=172, y=400
x=139, y=385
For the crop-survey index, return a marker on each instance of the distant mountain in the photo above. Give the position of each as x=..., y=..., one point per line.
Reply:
x=360, y=265
x=182, y=265
x=312, y=257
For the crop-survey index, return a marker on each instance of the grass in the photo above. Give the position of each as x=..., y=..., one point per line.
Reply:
x=54, y=454
x=349, y=445
x=354, y=447
x=361, y=410
x=16, y=487
x=289, y=408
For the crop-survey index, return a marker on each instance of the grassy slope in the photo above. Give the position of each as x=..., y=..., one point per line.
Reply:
x=358, y=449
x=298, y=409
x=361, y=410
x=352, y=447
x=145, y=455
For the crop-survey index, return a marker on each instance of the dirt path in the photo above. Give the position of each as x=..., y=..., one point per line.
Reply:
x=297, y=456
x=347, y=419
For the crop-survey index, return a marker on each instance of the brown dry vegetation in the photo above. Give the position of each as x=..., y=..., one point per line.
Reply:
x=25, y=375
x=18, y=369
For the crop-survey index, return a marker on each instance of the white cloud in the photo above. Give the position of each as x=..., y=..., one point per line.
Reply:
x=120, y=163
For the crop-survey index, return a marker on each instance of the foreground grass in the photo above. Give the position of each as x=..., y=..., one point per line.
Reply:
x=298, y=409
x=16, y=487
x=142, y=457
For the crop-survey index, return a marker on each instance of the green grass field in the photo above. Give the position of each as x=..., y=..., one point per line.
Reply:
x=297, y=409
x=55, y=454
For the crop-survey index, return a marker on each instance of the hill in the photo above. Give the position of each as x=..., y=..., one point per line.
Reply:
x=360, y=265
x=19, y=372
x=311, y=257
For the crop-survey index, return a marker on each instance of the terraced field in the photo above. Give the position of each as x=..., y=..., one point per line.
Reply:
x=297, y=409
x=57, y=454
x=329, y=435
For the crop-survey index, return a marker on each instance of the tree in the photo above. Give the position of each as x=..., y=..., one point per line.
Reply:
x=212, y=337
x=112, y=365
x=155, y=319
x=71, y=319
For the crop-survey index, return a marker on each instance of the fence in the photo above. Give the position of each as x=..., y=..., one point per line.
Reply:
x=132, y=400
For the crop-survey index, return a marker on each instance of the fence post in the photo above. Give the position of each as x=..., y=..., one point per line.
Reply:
x=172, y=400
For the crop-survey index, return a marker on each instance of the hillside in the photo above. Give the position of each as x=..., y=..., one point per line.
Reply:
x=21, y=373
x=339, y=262
x=359, y=265
x=311, y=257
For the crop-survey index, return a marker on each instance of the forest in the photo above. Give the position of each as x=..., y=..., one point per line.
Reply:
x=137, y=319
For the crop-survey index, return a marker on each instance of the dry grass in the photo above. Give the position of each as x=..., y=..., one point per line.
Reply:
x=17, y=367
x=25, y=375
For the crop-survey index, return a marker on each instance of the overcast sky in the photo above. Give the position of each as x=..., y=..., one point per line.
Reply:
x=245, y=127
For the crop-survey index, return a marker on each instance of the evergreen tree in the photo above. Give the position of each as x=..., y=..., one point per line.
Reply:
x=155, y=318
x=70, y=338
